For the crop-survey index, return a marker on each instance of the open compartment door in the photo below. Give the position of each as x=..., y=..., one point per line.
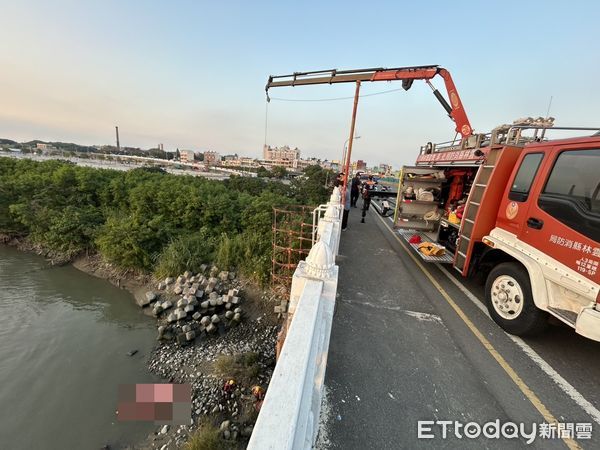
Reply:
x=417, y=204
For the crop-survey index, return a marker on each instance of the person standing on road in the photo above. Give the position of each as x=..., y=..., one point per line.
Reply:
x=347, y=202
x=355, y=191
x=339, y=183
x=366, y=196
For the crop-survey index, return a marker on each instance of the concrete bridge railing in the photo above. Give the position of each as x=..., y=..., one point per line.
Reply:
x=289, y=416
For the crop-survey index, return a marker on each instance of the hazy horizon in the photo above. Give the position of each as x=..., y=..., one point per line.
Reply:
x=191, y=75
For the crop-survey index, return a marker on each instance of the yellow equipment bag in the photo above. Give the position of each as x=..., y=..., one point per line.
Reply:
x=452, y=218
x=430, y=249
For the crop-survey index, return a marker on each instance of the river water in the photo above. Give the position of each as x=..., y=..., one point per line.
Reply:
x=64, y=338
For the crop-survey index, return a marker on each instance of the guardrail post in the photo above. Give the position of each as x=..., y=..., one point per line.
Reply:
x=331, y=219
x=333, y=211
x=336, y=196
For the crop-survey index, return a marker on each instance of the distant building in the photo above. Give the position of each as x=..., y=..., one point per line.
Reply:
x=239, y=161
x=285, y=152
x=385, y=169
x=44, y=147
x=334, y=164
x=270, y=163
x=302, y=164
x=248, y=162
x=212, y=158
x=296, y=165
x=358, y=166
x=282, y=156
x=186, y=156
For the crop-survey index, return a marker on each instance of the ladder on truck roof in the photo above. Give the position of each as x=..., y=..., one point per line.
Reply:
x=465, y=242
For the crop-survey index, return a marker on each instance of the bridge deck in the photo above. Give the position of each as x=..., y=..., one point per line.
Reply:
x=399, y=353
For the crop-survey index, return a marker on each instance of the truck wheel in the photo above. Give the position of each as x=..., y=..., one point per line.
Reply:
x=510, y=302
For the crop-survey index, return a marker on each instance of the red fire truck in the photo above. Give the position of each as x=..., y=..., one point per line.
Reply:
x=525, y=210
x=512, y=204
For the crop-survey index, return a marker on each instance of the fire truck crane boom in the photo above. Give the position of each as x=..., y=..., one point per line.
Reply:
x=454, y=108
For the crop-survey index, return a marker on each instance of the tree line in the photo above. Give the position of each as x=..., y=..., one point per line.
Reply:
x=147, y=220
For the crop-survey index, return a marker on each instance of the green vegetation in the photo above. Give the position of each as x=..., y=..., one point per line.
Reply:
x=242, y=367
x=311, y=188
x=206, y=437
x=146, y=219
x=279, y=172
x=263, y=173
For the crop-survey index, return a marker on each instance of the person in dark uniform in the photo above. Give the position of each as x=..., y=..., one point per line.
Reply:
x=366, y=196
x=355, y=191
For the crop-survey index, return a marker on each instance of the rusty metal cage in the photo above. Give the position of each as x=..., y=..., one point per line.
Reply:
x=292, y=240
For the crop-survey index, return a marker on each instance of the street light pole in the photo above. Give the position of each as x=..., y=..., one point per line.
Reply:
x=345, y=148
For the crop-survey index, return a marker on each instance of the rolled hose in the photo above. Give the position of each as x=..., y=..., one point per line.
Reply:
x=431, y=216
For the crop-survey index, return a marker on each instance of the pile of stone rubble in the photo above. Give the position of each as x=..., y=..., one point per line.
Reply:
x=205, y=309
x=192, y=364
x=192, y=305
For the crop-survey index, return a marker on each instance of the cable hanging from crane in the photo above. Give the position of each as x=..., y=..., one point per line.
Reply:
x=333, y=99
x=266, y=120
x=315, y=100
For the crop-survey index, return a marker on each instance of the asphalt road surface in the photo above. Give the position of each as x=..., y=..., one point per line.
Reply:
x=412, y=342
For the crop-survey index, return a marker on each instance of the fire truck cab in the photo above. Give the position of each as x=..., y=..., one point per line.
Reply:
x=525, y=210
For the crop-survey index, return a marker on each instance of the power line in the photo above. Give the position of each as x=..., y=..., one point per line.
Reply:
x=331, y=99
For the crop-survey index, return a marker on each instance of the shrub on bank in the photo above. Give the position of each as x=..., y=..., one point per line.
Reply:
x=148, y=220
x=186, y=252
x=206, y=437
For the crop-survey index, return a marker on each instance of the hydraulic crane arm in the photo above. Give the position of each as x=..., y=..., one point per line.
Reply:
x=407, y=74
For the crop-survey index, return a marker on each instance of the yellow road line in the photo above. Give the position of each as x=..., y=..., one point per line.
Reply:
x=531, y=396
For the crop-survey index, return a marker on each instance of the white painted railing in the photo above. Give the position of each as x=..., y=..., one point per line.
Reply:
x=289, y=416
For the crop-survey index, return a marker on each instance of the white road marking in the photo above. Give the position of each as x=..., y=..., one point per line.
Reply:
x=373, y=305
x=379, y=211
x=563, y=384
x=423, y=316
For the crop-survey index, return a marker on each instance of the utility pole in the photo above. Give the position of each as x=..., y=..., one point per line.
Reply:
x=351, y=140
x=118, y=145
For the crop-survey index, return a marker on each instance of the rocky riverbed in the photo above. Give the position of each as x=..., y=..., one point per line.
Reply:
x=217, y=333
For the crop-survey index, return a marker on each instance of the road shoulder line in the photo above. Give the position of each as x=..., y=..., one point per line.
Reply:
x=523, y=387
x=564, y=385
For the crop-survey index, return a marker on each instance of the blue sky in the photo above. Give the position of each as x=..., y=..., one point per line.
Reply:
x=191, y=74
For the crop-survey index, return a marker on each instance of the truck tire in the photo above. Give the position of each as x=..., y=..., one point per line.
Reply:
x=510, y=302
